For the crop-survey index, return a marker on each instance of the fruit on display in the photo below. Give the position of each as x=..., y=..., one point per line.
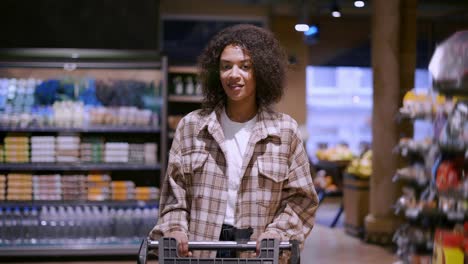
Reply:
x=337, y=153
x=362, y=166
x=322, y=181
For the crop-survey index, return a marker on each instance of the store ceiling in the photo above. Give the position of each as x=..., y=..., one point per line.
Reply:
x=427, y=9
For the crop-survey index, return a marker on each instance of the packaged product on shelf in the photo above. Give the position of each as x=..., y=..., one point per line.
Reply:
x=19, y=187
x=16, y=149
x=92, y=149
x=144, y=118
x=178, y=85
x=454, y=135
x=2, y=154
x=68, y=114
x=189, y=87
x=2, y=180
x=98, y=187
x=123, y=190
x=68, y=148
x=96, y=115
x=19, y=196
x=136, y=153
x=417, y=105
x=448, y=247
x=116, y=152
x=98, y=193
x=415, y=172
x=2, y=187
x=74, y=187
x=449, y=64
x=47, y=187
x=43, y=149
x=151, y=153
x=146, y=193
x=447, y=176
x=98, y=178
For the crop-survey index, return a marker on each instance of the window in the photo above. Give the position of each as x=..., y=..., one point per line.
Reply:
x=339, y=106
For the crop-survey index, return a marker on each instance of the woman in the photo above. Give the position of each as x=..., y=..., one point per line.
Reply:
x=237, y=164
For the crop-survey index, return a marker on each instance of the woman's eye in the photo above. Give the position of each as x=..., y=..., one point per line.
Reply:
x=225, y=67
x=246, y=67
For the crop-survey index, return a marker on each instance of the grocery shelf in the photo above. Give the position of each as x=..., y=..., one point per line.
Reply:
x=90, y=129
x=185, y=98
x=70, y=250
x=76, y=166
x=183, y=69
x=434, y=215
x=111, y=203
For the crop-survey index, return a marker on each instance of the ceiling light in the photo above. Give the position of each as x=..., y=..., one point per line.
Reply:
x=335, y=10
x=336, y=13
x=313, y=30
x=359, y=4
x=301, y=27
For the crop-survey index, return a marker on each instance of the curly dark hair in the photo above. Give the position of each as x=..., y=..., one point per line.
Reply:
x=268, y=59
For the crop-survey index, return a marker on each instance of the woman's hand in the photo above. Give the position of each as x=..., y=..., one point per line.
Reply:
x=267, y=235
x=182, y=242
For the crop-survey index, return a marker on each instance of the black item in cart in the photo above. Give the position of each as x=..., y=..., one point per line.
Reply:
x=269, y=251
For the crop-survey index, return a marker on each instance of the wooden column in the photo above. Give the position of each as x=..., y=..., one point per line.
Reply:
x=393, y=62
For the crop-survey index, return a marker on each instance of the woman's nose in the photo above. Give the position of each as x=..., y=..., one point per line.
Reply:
x=235, y=72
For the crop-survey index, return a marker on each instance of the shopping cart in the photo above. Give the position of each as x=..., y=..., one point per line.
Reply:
x=269, y=251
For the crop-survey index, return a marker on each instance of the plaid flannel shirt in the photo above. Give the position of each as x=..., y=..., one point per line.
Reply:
x=276, y=193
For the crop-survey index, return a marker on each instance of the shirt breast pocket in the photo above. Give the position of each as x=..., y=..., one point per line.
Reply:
x=272, y=174
x=195, y=171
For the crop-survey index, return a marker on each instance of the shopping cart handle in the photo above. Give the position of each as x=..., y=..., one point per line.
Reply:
x=268, y=246
x=212, y=245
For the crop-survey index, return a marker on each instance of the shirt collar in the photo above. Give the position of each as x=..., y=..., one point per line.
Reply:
x=267, y=123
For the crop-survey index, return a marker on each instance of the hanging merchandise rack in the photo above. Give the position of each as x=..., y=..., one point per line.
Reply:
x=435, y=203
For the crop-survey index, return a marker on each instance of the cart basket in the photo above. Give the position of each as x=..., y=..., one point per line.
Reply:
x=269, y=251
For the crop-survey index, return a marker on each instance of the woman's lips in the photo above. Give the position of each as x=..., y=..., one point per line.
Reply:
x=235, y=86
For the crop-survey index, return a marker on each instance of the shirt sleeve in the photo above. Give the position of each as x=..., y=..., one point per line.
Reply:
x=173, y=205
x=299, y=200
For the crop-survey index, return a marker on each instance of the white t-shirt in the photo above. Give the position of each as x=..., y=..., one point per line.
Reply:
x=237, y=137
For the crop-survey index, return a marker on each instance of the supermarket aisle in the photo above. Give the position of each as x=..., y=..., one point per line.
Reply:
x=324, y=246
x=332, y=245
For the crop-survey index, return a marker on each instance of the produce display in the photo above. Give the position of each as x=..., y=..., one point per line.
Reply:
x=337, y=153
x=362, y=166
x=322, y=181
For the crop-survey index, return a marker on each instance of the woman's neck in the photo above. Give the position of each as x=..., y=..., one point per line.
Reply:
x=240, y=111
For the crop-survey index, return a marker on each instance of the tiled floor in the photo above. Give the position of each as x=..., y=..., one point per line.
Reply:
x=324, y=245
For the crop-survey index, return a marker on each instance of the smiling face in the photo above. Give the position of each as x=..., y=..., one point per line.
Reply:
x=237, y=76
